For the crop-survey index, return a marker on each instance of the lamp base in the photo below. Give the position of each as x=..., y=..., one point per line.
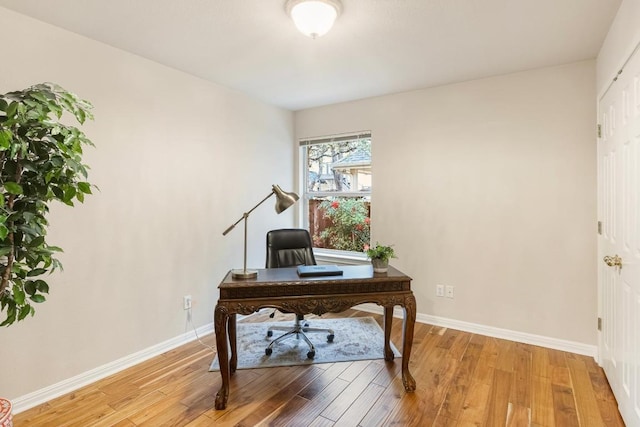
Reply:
x=244, y=274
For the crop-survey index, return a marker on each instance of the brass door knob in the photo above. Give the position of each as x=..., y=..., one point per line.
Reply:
x=613, y=261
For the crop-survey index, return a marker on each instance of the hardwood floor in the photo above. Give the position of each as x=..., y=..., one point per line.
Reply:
x=463, y=380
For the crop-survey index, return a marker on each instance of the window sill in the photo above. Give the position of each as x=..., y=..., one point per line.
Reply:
x=328, y=256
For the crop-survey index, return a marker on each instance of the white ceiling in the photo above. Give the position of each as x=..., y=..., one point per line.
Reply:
x=376, y=47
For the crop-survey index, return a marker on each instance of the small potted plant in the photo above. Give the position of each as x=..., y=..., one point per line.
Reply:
x=379, y=256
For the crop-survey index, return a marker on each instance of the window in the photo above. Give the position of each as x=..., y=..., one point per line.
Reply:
x=337, y=191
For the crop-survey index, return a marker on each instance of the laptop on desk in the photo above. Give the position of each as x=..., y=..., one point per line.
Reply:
x=318, y=270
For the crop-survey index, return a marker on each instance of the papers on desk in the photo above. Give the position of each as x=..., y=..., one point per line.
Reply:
x=318, y=270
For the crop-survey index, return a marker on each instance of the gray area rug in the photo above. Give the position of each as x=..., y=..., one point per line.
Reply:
x=356, y=338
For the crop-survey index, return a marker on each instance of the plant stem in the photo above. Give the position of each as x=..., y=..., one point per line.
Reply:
x=6, y=275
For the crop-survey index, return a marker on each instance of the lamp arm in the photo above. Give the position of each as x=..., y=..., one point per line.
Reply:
x=246, y=214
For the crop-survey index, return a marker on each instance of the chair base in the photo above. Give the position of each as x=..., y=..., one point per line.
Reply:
x=299, y=331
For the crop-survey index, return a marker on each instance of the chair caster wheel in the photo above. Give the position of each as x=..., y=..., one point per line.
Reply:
x=268, y=351
x=269, y=333
x=311, y=354
x=330, y=338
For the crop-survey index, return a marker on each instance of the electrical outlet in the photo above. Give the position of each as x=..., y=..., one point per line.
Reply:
x=439, y=290
x=449, y=291
x=186, y=302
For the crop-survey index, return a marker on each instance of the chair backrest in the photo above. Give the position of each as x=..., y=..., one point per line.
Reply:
x=289, y=247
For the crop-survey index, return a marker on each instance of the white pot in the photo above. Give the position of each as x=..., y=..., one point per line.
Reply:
x=380, y=265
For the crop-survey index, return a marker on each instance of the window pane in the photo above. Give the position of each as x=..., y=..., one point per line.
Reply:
x=341, y=223
x=338, y=191
x=339, y=166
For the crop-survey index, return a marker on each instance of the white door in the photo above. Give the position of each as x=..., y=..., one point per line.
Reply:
x=619, y=242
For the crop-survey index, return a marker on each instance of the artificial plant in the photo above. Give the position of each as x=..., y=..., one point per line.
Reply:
x=381, y=252
x=40, y=161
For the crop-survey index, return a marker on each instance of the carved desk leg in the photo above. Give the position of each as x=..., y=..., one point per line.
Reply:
x=233, y=364
x=388, y=320
x=407, y=341
x=221, y=317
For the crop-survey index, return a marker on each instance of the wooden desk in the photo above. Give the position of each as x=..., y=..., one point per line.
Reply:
x=281, y=288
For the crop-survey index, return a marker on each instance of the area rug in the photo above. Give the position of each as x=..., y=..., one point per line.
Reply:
x=356, y=338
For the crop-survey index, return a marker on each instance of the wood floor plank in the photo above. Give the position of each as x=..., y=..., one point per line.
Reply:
x=283, y=395
x=607, y=406
x=322, y=381
x=339, y=406
x=313, y=408
x=486, y=365
x=281, y=417
x=564, y=408
x=385, y=404
x=389, y=371
x=522, y=367
x=134, y=406
x=541, y=402
x=457, y=393
x=322, y=422
x=475, y=404
x=498, y=404
x=250, y=398
x=463, y=379
x=361, y=406
x=586, y=403
x=540, y=362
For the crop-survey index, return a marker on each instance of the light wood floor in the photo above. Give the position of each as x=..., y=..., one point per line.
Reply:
x=463, y=380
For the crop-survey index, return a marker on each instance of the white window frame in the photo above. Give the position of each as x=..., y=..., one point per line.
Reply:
x=324, y=255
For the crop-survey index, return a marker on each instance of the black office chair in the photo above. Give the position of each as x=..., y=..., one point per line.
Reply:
x=291, y=247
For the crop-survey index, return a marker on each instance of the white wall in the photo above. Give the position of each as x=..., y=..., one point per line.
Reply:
x=177, y=160
x=489, y=186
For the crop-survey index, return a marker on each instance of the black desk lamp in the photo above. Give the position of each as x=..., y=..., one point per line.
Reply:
x=283, y=201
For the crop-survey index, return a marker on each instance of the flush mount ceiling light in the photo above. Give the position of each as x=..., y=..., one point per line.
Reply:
x=314, y=18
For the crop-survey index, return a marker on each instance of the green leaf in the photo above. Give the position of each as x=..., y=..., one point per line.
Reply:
x=69, y=193
x=58, y=192
x=38, y=241
x=4, y=231
x=18, y=295
x=36, y=272
x=30, y=287
x=11, y=315
x=37, y=298
x=24, y=311
x=13, y=188
x=85, y=187
x=11, y=109
x=5, y=140
x=42, y=286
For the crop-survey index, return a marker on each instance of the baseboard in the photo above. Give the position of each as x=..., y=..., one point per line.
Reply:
x=48, y=393
x=63, y=387
x=526, y=338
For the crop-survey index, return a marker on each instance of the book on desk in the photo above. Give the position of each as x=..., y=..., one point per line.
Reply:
x=319, y=270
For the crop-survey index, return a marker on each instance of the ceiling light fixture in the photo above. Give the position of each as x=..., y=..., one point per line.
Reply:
x=314, y=18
